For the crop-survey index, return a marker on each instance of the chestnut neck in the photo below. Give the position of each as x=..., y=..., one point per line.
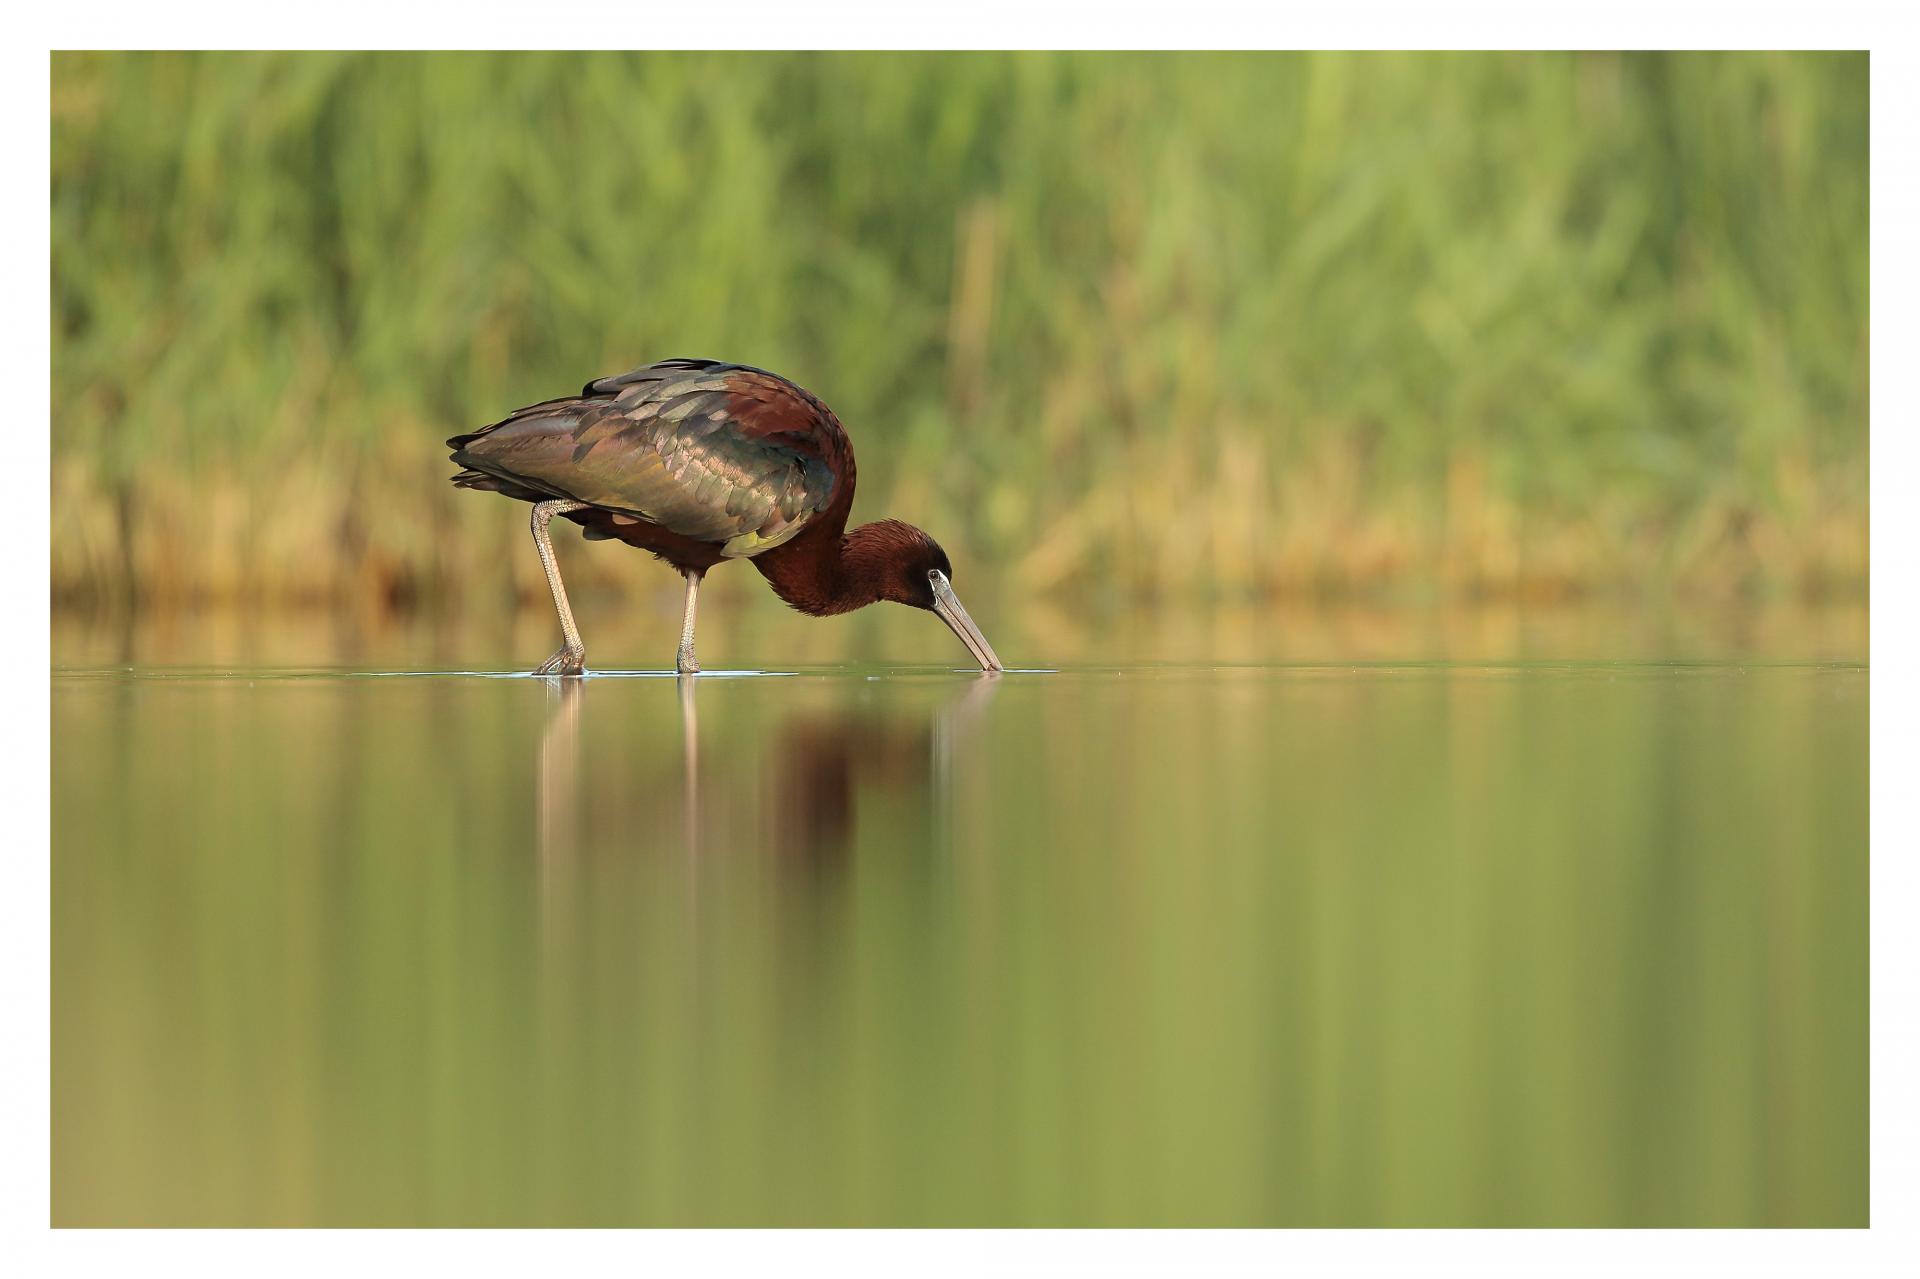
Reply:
x=823, y=572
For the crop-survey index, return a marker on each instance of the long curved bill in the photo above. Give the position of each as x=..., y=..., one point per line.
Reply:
x=947, y=605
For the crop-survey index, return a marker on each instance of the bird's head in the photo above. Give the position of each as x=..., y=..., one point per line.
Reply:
x=900, y=563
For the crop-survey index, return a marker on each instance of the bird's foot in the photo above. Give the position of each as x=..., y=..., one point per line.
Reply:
x=571, y=659
x=685, y=665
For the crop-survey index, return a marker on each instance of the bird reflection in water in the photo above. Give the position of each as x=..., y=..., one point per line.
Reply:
x=802, y=810
x=558, y=785
x=823, y=757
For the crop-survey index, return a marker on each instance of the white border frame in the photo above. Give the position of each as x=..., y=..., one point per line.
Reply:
x=995, y=23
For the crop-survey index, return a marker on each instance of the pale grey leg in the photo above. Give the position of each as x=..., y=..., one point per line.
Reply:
x=572, y=657
x=684, y=662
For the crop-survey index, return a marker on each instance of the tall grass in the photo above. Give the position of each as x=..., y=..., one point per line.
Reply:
x=1237, y=324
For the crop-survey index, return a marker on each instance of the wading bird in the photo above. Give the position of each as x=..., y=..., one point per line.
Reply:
x=699, y=462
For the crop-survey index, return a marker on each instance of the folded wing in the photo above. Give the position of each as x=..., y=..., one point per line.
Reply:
x=719, y=453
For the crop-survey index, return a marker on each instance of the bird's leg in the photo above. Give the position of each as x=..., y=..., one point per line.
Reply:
x=684, y=662
x=572, y=657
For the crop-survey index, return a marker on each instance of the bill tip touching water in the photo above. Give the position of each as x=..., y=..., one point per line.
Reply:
x=700, y=462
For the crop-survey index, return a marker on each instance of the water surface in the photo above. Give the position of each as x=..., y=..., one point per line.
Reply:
x=1530, y=941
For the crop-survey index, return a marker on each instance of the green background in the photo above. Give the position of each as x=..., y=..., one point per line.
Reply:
x=1425, y=494
x=1235, y=325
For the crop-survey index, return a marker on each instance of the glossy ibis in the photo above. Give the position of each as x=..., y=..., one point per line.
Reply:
x=699, y=462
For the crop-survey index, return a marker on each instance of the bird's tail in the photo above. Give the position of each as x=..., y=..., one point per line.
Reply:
x=472, y=479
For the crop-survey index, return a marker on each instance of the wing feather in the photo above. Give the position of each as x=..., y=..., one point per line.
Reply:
x=714, y=452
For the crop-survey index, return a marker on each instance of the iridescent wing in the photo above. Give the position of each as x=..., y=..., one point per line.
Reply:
x=719, y=453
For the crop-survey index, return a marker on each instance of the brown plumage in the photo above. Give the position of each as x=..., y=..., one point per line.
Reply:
x=699, y=462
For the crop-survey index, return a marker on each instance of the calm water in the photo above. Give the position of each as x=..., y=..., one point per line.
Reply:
x=1500, y=940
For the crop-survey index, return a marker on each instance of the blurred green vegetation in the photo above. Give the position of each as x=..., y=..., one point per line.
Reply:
x=1238, y=325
